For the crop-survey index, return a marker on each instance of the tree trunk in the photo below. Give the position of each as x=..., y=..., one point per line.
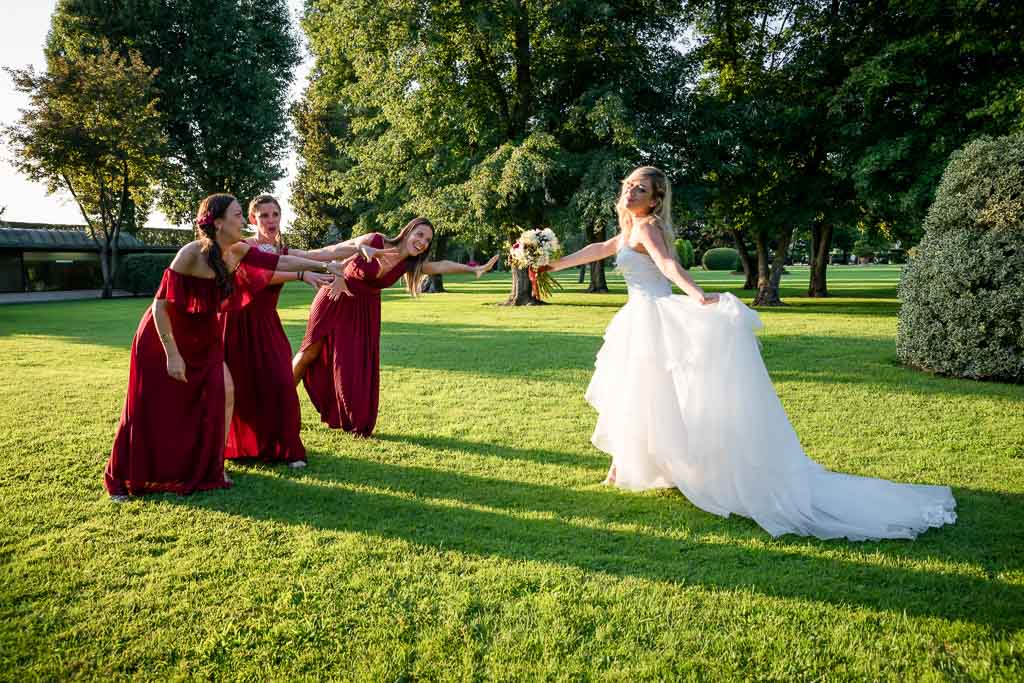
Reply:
x=433, y=284
x=768, y=279
x=582, y=273
x=821, y=245
x=106, y=267
x=598, y=282
x=522, y=290
x=749, y=275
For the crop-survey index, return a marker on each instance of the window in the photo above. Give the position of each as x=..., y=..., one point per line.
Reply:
x=10, y=272
x=57, y=270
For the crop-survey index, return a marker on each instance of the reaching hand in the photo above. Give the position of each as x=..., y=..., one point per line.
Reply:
x=317, y=280
x=545, y=269
x=370, y=253
x=338, y=267
x=337, y=289
x=480, y=270
x=708, y=299
x=176, y=367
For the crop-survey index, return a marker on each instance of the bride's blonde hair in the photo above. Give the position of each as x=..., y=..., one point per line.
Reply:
x=661, y=193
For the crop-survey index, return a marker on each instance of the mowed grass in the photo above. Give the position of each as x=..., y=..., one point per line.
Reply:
x=470, y=538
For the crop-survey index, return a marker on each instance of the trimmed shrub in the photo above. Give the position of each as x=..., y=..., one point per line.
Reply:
x=685, y=251
x=721, y=258
x=963, y=290
x=142, y=272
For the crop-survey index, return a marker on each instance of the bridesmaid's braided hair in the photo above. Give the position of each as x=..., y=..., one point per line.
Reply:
x=210, y=209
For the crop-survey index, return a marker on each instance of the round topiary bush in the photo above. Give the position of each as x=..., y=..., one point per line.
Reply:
x=720, y=258
x=963, y=289
x=685, y=251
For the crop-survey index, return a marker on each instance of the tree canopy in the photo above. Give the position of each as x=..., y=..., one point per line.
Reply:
x=223, y=71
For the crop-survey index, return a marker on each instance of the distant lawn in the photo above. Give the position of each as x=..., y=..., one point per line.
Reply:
x=470, y=539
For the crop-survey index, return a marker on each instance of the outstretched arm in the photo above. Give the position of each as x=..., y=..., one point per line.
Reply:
x=446, y=267
x=651, y=237
x=314, y=280
x=342, y=250
x=588, y=254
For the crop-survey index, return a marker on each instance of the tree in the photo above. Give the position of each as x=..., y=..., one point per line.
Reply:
x=224, y=67
x=490, y=117
x=928, y=77
x=92, y=128
x=752, y=147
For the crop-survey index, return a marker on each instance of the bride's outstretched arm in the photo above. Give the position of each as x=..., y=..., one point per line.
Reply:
x=589, y=253
x=654, y=243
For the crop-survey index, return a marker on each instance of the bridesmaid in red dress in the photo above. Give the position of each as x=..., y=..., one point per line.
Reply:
x=173, y=424
x=339, y=361
x=265, y=423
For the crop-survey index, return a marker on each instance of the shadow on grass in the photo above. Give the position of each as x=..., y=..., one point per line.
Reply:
x=595, y=461
x=871, y=361
x=321, y=498
x=478, y=349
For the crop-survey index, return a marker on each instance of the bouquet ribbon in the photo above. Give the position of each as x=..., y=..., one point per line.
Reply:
x=533, y=283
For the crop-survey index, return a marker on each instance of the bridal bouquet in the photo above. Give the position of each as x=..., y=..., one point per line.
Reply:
x=534, y=249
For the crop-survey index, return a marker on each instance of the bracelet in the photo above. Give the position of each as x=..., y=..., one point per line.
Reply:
x=300, y=274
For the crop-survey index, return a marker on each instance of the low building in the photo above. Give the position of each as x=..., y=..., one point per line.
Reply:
x=40, y=257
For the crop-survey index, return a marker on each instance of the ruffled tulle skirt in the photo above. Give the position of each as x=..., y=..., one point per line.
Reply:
x=684, y=400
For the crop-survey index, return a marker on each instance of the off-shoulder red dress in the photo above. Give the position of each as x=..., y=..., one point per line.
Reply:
x=171, y=435
x=266, y=421
x=344, y=380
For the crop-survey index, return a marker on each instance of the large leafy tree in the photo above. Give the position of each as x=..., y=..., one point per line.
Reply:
x=490, y=117
x=224, y=67
x=91, y=129
x=754, y=144
x=928, y=76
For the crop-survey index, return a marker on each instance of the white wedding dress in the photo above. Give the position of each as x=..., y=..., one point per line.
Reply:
x=684, y=400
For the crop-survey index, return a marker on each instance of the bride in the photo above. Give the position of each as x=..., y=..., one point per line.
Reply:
x=684, y=400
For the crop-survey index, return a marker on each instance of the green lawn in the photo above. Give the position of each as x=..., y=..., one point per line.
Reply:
x=470, y=539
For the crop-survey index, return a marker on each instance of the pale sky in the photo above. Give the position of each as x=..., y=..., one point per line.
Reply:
x=26, y=24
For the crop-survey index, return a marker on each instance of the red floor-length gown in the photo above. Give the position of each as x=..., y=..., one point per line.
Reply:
x=266, y=421
x=344, y=380
x=171, y=435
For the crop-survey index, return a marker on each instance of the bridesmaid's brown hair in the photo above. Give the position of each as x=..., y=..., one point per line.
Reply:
x=210, y=209
x=414, y=271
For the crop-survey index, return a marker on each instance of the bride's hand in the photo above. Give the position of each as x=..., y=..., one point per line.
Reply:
x=708, y=299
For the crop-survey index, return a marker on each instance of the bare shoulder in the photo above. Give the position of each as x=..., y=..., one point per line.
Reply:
x=235, y=253
x=188, y=259
x=648, y=225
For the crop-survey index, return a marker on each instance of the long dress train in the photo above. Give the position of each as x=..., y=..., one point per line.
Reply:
x=684, y=400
